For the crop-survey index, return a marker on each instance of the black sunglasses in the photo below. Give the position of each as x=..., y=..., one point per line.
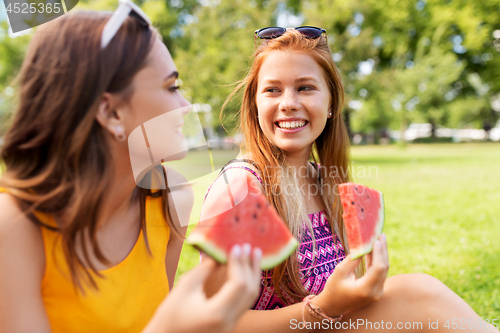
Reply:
x=275, y=32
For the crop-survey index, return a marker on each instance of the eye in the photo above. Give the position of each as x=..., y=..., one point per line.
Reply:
x=271, y=90
x=306, y=88
x=172, y=87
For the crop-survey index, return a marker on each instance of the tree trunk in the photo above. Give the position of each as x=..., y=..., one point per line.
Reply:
x=404, y=126
x=433, y=131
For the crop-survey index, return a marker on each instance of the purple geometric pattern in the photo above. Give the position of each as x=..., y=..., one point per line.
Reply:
x=314, y=268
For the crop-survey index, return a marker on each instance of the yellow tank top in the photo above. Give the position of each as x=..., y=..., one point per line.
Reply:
x=128, y=295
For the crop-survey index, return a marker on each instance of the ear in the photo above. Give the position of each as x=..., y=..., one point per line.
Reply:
x=329, y=114
x=108, y=115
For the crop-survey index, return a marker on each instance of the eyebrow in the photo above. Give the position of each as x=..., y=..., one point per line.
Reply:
x=306, y=78
x=298, y=80
x=174, y=74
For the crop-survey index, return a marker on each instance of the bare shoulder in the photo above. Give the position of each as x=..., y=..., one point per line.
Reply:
x=246, y=161
x=17, y=232
x=180, y=197
x=229, y=189
x=22, y=265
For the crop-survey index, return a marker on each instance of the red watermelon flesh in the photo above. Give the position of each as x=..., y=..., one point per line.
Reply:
x=252, y=220
x=363, y=217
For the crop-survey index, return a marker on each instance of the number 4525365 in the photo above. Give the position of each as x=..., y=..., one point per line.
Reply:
x=464, y=324
x=25, y=8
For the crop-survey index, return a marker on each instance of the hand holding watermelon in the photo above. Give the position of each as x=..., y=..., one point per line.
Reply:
x=187, y=308
x=343, y=292
x=364, y=218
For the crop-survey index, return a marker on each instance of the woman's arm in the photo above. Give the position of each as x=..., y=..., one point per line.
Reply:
x=174, y=248
x=21, y=270
x=188, y=310
x=180, y=203
x=279, y=320
x=341, y=294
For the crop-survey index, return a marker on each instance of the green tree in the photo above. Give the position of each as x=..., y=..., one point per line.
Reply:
x=11, y=56
x=400, y=39
x=221, y=41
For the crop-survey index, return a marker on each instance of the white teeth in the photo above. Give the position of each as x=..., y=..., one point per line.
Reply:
x=291, y=125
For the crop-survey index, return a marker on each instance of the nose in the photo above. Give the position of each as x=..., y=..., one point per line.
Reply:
x=186, y=105
x=289, y=101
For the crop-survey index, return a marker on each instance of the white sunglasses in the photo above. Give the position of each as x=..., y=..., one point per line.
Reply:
x=119, y=16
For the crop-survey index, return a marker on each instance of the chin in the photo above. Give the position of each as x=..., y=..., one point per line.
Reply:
x=291, y=148
x=182, y=152
x=180, y=155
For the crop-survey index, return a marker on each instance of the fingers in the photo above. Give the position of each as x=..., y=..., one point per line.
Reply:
x=369, y=256
x=368, y=260
x=383, y=240
x=242, y=286
x=256, y=270
x=377, y=271
x=379, y=254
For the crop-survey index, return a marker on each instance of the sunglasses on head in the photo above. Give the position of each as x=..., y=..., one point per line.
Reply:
x=119, y=16
x=275, y=32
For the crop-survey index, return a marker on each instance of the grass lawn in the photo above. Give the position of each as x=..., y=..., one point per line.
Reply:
x=442, y=214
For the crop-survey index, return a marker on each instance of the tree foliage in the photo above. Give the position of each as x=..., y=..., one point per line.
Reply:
x=401, y=61
x=423, y=54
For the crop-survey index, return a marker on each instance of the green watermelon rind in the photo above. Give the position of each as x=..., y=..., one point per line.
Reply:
x=361, y=251
x=199, y=241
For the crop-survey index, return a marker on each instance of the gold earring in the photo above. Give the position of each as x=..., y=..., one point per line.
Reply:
x=119, y=134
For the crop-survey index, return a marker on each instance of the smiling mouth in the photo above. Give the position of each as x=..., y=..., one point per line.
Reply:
x=291, y=124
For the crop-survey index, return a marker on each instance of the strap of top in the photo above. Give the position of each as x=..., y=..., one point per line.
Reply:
x=226, y=167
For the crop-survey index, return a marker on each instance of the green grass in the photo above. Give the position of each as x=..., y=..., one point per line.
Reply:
x=442, y=214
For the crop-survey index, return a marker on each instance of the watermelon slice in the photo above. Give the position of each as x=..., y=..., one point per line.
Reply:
x=252, y=220
x=363, y=217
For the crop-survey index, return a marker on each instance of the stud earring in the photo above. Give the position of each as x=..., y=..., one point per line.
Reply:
x=329, y=113
x=119, y=134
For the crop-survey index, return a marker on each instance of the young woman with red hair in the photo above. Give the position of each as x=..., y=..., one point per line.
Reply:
x=295, y=139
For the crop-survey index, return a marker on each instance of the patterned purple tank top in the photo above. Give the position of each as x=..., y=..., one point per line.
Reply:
x=314, y=268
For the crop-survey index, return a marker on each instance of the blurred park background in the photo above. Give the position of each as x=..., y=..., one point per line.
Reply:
x=422, y=107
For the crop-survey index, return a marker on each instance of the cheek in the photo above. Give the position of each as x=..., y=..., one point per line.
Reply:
x=264, y=111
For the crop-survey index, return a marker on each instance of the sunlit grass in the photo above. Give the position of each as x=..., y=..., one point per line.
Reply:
x=442, y=214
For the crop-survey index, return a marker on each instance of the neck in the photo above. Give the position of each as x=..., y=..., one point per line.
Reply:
x=120, y=194
x=299, y=160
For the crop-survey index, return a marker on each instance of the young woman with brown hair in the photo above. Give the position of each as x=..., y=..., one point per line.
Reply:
x=291, y=114
x=82, y=247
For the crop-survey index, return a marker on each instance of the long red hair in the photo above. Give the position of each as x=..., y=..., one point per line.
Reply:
x=331, y=150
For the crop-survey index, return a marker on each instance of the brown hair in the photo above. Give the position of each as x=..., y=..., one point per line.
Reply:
x=55, y=152
x=331, y=149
